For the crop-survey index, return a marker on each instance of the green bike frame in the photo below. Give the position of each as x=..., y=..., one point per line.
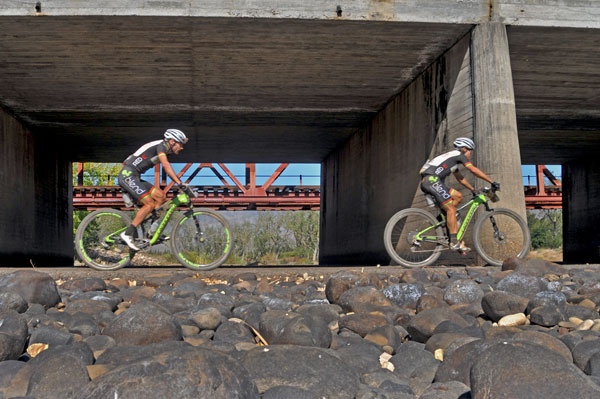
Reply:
x=173, y=204
x=473, y=204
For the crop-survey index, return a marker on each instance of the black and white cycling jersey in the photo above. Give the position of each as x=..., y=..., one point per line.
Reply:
x=444, y=164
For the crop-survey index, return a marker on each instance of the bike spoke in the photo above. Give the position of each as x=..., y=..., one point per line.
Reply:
x=502, y=236
x=99, y=242
x=202, y=241
x=413, y=239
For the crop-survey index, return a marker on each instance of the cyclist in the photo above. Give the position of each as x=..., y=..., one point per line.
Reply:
x=435, y=171
x=140, y=161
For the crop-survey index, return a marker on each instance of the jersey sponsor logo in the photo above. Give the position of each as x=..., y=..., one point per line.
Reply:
x=126, y=173
x=138, y=161
x=433, y=179
x=133, y=185
x=439, y=170
x=440, y=190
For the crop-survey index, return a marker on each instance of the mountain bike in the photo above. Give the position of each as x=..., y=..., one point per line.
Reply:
x=199, y=239
x=414, y=237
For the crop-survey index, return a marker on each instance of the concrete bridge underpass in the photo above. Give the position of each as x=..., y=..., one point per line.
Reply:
x=370, y=89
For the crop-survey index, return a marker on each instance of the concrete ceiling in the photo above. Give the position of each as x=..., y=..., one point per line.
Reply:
x=262, y=90
x=269, y=90
x=556, y=78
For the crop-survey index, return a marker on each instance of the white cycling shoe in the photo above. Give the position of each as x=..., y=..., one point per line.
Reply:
x=129, y=240
x=460, y=247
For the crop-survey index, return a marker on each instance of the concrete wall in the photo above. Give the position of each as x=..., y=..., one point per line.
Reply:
x=375, y=173
x=581, y=211
x=35, y=200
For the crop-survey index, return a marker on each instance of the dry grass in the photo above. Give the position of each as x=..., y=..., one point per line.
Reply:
x=551, y=255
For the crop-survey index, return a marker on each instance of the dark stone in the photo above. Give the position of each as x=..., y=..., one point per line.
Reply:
x=312, y=369
x=377, y=378
x=12, y=300
x=143, y=324
x=186, y=372
x=212, y=298
x=429, y=302
x=458, y=362
x=32, y=286
x=84, y=325
x=360, y=355
x=581, y=312
x=60, y=371
x=272, y=322
x=207, y=318
x=363, y=323
x=583, y=352
x=233, y=333
x=286, y=392
x=421, y=326
x=538, y=268
x=13, y=335
x=413, y=362
x=99, y=343
x=511, y=263
x=341, y=282
x=545, y=340
x=404, y=295
x=8, y=372
x=88, y=306
x=274, y=303
x=592, y=367
x=442, y=341
x=447, y=390
x=548, y=298
x=547, y=316
x=84, y=284
x=111, y=298
x=244, y=276
x=362, y=299
x=305, y=330
x=119, y=355
x=50, y=336
x=463, y=291
x=523, y=370
x=250, y=313
x=522, y=285
x=497, y=304
x=329, y=313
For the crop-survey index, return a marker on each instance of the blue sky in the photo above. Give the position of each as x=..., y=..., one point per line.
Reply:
x=310, y=174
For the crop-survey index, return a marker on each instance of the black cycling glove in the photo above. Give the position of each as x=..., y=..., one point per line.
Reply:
x=495, y=186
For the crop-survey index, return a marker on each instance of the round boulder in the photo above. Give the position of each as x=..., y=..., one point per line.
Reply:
x=143, y=324
x=32, y=286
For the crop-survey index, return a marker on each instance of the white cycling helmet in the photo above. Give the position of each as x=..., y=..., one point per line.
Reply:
x=176, y=135
x=464, y=142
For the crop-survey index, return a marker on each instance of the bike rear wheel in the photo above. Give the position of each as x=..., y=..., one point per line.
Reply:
x=202, y=240
x=402, y=242
x=501, y=234
x=97, y=240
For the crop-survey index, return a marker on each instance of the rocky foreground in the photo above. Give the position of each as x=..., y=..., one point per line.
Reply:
x=530, y=330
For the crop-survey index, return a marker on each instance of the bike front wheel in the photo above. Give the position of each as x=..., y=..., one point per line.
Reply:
x=98, y=243
x=413, y=238
x=501, y=234
x=202, y=240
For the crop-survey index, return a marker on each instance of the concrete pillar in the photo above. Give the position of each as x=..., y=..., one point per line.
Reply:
x=495, y=121
x=36, y=213
x=581, y=213
x=376, y=172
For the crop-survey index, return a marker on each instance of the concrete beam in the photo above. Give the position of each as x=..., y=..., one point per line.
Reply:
x=495, y=134
x=443, y=11
x=572, y=13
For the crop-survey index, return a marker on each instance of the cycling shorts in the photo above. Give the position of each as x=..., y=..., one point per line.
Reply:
x=438, y=189
x=132, y=183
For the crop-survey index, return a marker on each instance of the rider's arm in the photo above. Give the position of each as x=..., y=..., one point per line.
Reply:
x=479, y=173
x=162, y=157
x=460, y=178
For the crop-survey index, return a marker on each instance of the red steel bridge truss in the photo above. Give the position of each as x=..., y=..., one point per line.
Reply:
x=233, y=195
